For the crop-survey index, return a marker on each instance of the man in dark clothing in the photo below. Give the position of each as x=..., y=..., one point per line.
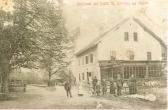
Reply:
x=98, y=88
x=132, y=85
x=112, y=87
x=119, y=87
x=67, y=87
x=94, y=84
x=104, y=86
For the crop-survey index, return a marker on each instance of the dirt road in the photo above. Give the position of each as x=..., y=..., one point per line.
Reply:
x=55, y=98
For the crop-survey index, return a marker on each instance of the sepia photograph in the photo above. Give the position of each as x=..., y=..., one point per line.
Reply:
x=83, y=54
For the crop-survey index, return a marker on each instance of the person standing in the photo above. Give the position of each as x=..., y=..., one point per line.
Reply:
x=112, y=89
x=98, y=89
x=104, y=86
x=119, y=87
x=132, y=85
x=115, y=88
x=94, y=84
x=67, y=87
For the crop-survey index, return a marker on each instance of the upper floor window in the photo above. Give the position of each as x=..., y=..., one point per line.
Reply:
x=113, y=55
x=149, y=55
x=86, y=59
x=164, y=56
x=135, y=36
x=130, y=55
x=126, y=36
x=91, y=58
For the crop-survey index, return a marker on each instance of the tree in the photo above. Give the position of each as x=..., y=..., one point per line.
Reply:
x=37, y=31
x=53, y=63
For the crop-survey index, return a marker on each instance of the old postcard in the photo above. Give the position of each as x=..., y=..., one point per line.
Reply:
x=83, y=54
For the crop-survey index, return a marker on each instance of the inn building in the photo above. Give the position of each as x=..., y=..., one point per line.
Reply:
x=129, y=47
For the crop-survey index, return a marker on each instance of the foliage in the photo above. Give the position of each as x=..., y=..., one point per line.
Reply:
x=34, y=33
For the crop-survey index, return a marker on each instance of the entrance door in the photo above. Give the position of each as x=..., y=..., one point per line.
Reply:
x=89, y=76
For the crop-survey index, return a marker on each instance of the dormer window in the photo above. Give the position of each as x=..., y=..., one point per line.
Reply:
x=126, y=36
x=135, y=34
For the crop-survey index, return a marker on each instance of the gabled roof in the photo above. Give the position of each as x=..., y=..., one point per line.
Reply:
x=98, y=39
x=150, y=32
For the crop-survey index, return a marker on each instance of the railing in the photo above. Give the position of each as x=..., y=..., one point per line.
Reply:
x=14, y=87
x=17, y=86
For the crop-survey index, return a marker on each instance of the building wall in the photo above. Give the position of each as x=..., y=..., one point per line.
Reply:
x=84, y=69
x=114, y=41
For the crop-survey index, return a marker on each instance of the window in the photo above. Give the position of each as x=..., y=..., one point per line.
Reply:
x=141, y=71
x=126, y=72
x=154, y=70
x=149, y=55
x=164, y=57
x=135, y=36
x=83, y=76
x=130, y=55
x=113, y=55
x=126, y=36
x=89, y=74
x=86, y=59
x=138, y=71
x=115, y=71
x=91, y=58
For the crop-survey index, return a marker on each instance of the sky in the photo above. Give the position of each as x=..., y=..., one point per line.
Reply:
x=95, y=16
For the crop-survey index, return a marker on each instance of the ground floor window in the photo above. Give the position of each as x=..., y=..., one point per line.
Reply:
x=83, y=76
x=116, y=71
x=89, y=75
x=137, y=71
x=105, y=73
x=154, y=70
x=126, y=71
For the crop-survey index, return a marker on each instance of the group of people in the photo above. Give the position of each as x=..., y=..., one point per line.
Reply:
x=115, y=87
x=97, y=87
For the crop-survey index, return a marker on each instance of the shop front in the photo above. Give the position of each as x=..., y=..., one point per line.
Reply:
x=114, y=70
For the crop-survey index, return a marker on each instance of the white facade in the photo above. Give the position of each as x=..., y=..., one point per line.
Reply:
x=114, y=41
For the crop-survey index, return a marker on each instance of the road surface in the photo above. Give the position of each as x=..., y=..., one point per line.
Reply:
x=55, y=98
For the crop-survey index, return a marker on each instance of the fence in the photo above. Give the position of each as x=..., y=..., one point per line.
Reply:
x=14, y=87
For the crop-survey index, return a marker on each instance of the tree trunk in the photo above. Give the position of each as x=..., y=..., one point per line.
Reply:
x=5, y=84
x=49, y=77
x=5, y=70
